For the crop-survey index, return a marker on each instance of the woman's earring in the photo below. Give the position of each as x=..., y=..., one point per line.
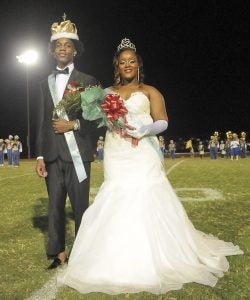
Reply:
x=138, y=74
x=118, y=79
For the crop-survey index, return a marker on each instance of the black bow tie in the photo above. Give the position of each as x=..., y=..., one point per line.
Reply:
x=65, y=71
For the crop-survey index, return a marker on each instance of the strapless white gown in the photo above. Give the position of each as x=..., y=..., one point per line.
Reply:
x=136, y=235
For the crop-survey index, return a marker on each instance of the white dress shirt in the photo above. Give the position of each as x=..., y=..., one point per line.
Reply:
x=62, y=80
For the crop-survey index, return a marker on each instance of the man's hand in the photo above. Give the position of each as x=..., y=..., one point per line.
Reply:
x=40, y=168
x=61, y=125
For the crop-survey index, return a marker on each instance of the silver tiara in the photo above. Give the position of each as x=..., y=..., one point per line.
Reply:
x=126, y=44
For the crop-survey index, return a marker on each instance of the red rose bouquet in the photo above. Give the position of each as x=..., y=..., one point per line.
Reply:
x=71, y=101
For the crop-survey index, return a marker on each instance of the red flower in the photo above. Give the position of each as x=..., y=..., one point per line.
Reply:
x=114, y=108
x=74, y=83
x=67, y=92
x=116, y=112
x=74, y=87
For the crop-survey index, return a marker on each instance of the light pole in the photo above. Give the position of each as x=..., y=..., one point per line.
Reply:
x=28, y=58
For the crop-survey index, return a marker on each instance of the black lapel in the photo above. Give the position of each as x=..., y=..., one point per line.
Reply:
x=74, y=75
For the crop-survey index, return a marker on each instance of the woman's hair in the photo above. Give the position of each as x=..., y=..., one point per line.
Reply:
x=117, y=79
x=78, y=46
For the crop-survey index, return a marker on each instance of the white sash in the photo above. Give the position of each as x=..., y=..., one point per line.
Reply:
x=69, y=136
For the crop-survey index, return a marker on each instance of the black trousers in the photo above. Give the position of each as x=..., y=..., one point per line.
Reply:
x=61, y=182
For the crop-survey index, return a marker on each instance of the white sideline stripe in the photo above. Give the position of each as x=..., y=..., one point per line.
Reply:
x=174, y=166
x=47, y=291
x=11, y=177
x=207, y=194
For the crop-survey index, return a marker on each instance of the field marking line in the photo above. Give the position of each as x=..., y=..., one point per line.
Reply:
x=207, y=194
x=47, y=292
x=11, y=177
x=174, y=166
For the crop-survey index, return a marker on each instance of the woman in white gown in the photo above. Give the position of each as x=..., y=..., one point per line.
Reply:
x=136, y=235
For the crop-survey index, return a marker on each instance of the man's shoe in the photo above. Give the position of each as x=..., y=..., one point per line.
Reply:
x=56, y=263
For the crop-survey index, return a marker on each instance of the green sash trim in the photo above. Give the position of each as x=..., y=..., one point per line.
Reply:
x=69, y=136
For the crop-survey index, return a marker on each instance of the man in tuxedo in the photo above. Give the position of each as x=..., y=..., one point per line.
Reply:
x=64, y=147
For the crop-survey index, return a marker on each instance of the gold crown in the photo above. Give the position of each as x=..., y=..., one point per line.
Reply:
x=65, y=29
x=126, y=44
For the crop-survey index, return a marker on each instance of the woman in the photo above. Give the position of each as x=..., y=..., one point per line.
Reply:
x=136, y=236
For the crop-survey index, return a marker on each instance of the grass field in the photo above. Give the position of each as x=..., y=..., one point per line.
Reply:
x=215, y=193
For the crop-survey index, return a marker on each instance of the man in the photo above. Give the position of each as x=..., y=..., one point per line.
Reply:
x=222, y=147
x=17, y=148
x=171, y=149
x=2, y=148
x=213, y=147
x=201, y=149
x=235, y=147
x=189, y=145
x=100, y=149
x=162, y=144
x=9, y=146
x=64, y=148
x=243, y=145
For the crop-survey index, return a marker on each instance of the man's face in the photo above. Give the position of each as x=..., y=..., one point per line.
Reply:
x=64, y=52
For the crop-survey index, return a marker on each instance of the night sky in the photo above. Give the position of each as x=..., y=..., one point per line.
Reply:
x=197, y=53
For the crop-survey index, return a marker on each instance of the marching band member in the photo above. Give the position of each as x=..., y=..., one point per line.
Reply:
x=162, y=144
x=201, y=149
x=2, y=148
x=100, y=149
x=243, y=145
x=213, y=147
x=222, y=149
x=17, y=148
x=235, y=147
x=9, y=146
x=171, y=149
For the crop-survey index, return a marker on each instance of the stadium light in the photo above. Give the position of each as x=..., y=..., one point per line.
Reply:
x=28, y=58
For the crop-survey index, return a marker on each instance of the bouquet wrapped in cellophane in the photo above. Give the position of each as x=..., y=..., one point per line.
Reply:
x=71, y=101
x=107, y=109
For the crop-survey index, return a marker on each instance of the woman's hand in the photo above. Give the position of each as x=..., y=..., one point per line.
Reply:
x=138, y=132
x=150, y=129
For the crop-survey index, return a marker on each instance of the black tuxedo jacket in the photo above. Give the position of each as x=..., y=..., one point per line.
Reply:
x=52, y=146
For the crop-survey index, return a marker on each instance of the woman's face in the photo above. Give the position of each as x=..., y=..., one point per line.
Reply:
x=128, y=65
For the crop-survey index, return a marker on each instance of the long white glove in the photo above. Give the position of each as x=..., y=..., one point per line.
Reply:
x=150, y=129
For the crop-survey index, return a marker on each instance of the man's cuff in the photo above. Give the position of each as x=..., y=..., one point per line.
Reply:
x=39, y=157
